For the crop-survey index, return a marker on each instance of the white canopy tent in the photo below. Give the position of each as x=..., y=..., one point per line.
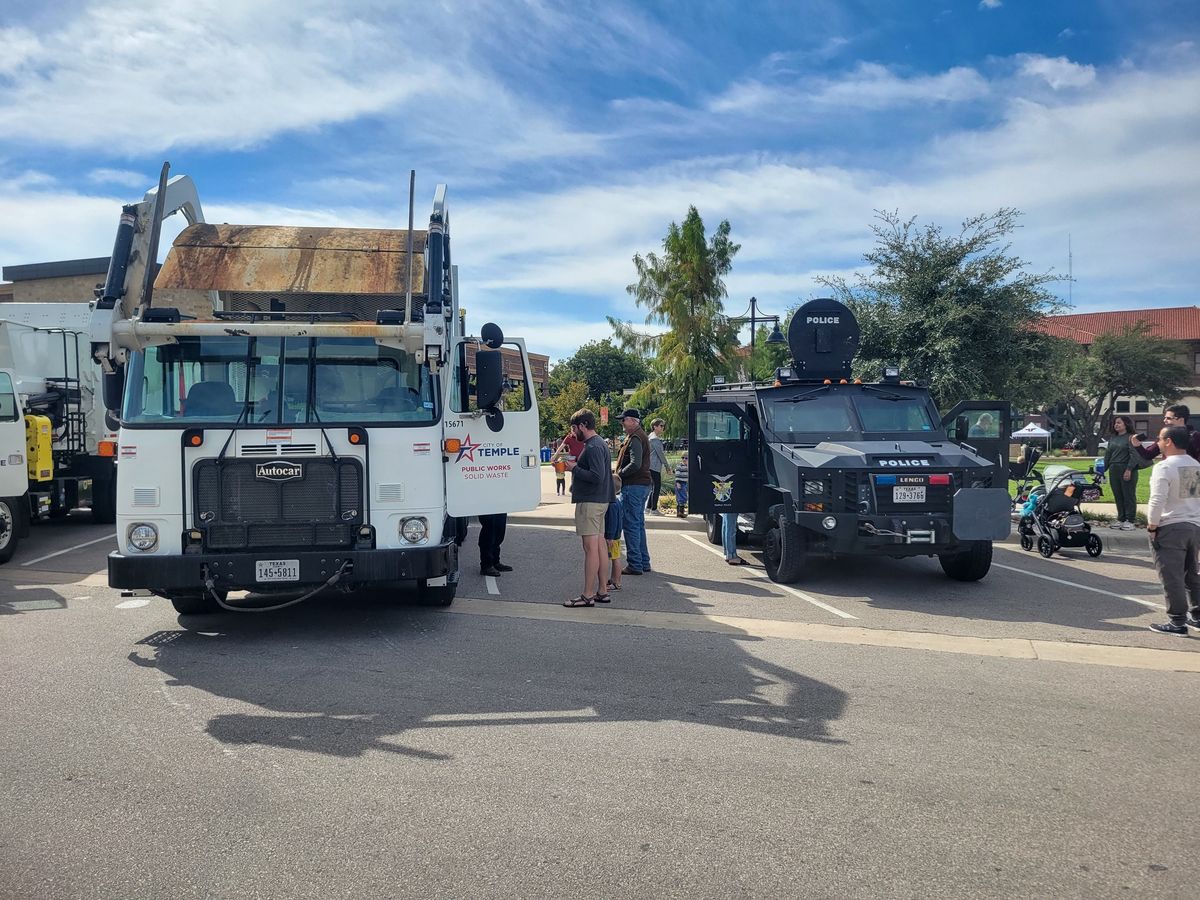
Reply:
x=1032, y=431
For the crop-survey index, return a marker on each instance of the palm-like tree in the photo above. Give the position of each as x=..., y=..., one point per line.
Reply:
x=683, y=289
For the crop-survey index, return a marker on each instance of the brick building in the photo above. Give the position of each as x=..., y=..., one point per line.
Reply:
x=1180, y=324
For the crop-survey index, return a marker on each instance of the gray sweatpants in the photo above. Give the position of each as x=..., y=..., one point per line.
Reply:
x=1175, y=551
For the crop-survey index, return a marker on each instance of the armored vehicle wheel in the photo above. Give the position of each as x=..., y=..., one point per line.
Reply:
x=783, y=552
x=439, y=595
x=1094, y=546
x=1045, y=547
x=194, y=604
x=970, y=564
x=8, y=531
x=1026, y=542
x=712, y=525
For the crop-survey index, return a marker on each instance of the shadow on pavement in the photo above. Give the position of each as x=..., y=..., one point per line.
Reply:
x=342, y=675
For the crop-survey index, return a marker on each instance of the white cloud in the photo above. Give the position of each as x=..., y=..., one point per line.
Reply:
x=990, y=4
x=869, y=86
x=1058, y=72
x=126, y=178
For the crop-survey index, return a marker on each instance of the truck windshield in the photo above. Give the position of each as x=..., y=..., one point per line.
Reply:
x=814, y=413
x=893, y=413
x=275, y=381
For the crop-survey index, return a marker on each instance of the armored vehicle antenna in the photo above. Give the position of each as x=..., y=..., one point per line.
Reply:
x=823, y=337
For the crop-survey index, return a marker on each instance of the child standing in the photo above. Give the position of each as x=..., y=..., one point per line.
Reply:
x=560, y=476
x=681, y=487
x=613, y=520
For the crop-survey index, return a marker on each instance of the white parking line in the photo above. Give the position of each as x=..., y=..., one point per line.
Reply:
x=1082, y=587
x=109, y=537
x=493, y=587
x=783, y=587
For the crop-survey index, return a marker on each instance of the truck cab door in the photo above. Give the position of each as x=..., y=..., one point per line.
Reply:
x=491, y=462
x=984, y=428
x=722, y=474
x=14, y=478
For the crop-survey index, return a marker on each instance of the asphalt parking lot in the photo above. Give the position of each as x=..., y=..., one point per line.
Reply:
x=874, y=730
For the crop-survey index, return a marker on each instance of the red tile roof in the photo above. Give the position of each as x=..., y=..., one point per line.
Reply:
x=1180, y=323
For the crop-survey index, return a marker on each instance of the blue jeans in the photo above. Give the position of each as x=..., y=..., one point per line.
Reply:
x=633, y=503
x=729, y=534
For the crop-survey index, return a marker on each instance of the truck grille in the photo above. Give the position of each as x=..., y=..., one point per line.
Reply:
x=938, y=498
x=236, y=509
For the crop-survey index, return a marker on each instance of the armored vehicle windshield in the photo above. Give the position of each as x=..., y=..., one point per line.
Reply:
x=841, y=410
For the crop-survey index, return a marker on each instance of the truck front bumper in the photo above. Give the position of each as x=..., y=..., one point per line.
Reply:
x=237, y=571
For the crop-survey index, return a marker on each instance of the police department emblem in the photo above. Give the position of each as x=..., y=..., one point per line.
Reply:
x=722, y=488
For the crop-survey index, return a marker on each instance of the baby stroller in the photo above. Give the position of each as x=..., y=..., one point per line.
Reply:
x=1051, y=517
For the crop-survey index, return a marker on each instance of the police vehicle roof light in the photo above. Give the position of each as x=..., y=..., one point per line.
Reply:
x=891, y=374
x=718, y=379
x=843, y=381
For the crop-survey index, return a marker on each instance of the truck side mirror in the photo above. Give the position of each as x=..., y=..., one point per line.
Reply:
x=113, y=386
x=489, y=378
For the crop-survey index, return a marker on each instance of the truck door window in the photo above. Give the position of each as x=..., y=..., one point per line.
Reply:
x=8, y=399
x=717, y=425
x=516, y=397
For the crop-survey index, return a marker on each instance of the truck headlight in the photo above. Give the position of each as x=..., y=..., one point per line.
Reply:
x=414, y=530
x=142, y=536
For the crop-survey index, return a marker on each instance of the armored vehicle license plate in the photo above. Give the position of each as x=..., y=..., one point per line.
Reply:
x=903, y=493
x=277, y=570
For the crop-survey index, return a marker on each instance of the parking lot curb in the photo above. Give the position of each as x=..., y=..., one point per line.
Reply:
x=1113, y=540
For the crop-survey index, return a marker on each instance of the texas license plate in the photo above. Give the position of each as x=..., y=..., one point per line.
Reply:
x=904, y=494
x=277, y=570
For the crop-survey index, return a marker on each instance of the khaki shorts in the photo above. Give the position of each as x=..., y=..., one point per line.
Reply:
x=589, y=518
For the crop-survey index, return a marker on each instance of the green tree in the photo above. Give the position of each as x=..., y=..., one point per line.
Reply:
x=683, y=289
x=766, y=358
x=556, y=412
x=1130, y=362
x=956, y=311
x=604, y=366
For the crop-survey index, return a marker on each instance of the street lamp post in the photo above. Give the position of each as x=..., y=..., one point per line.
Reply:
x=775, y=337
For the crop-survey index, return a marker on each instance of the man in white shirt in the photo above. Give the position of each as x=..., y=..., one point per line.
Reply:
x=1174, y=525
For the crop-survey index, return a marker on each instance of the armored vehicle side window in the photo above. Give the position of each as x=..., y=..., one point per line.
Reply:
x=717, y=426
x=813, y=414
x=879, y=413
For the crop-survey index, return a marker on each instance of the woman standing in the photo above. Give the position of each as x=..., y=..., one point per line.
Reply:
x=1121, y=469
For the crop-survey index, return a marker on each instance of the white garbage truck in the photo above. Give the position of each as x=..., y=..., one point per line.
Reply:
x=59, y=453
x=312, y=422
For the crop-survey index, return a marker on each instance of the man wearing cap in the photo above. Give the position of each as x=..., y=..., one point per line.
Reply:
x=633, y=465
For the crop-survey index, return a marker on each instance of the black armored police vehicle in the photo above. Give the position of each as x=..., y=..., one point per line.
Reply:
x=818, y=463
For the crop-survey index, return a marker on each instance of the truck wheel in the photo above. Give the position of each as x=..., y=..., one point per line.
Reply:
x=783, y=552
x=8, y=531
x=194, y=604
x=970, y=564
x=439, y=595
x=104, y=500
x=712, y=525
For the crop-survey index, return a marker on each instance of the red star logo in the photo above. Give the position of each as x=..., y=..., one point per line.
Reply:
x=467, y=450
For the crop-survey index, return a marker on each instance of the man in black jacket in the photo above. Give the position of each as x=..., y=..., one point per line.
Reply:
x=591, y=492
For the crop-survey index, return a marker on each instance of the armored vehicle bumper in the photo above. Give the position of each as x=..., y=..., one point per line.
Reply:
x=238, y=571
x=977, y=514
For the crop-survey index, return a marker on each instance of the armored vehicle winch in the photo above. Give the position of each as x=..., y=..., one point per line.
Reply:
x=818, y=463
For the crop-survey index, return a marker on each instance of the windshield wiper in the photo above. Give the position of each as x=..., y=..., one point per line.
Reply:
x=808, y=395
x=886, y=395
x=312, y=394
x=250, y=347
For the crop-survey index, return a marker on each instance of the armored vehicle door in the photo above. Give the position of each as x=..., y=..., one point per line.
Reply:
x=722, y=459
x=983, y=427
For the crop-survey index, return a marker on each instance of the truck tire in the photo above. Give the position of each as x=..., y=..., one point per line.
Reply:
x=438, y=595
x=8, y=530
x=970, y=564
x=104, y=500
x=194, y=604
x=712, y=526
x=783, y=552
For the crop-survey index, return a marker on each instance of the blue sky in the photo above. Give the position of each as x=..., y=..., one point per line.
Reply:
x=572, y=133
